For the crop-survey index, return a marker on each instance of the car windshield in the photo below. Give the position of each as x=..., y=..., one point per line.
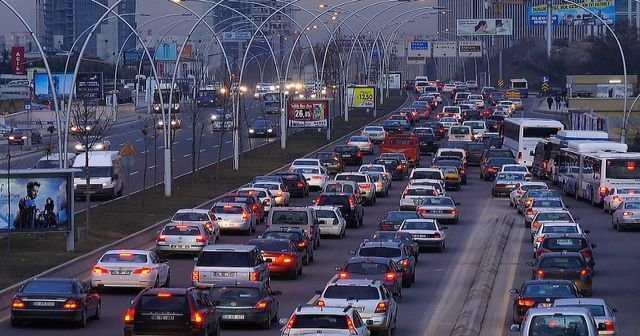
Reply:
x=124, y=257
x=289, y=217
x=562, y=262
x=564, y=244
x=437, y=201
x=293, y=236
x=325, y=214
x=561, y=324
x=559, y=229
x=271, y=245
x=181, y=230
x=367, y=268
x=351, y=292
x=95, y=171
x=632, y=205
x=498, y=162
x=48, y=287
x=510, y=177
x=163, y=303
x=351, y=177
x=227, y=209
x=235, y=296
x=224, y=259
x=547, y=290
x=320, y=321
x=190, y=217
x=547, y=204
x=384, y=252
x=422, y=225
x=419, y=192
x=431, y=175
x=554, y=217
x=260, y=123
x=401, y=215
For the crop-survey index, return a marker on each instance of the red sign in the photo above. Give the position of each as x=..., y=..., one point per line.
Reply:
x=308, y=113
x=18, y=61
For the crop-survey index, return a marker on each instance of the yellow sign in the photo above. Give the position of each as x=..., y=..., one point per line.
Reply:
x=500, y=82
x=128, y=150
x=362, y=96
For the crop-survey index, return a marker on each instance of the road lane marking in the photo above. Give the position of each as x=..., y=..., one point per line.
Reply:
x=216, y=146
x=202, y=150
x=152, y=167
x=228, y=141
x=135, y=172
x=189, y=139
x=138, y=140
x=160, y=147
x=512, y=275
x=313, y=299
x=186, y=155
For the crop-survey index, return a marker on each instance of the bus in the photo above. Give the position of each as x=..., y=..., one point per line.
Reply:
x=165, y=89
x=207, y=97
x=521, y=135
x=521, y=85
x=589, y=170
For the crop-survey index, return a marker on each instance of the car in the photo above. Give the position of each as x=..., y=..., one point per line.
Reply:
x=332, y=223
x=372, y=268
x=452, y=178
x=245, y=302
x=442, y=208
x=627, y=215
x=602, y=313
x=427, y=139
x=398, y=156
x=413, y=195
x=373, y=301
x=297, y=163
x=362, y=142
x=426, y=173
x=527, y=198
x=251, y=200
x=351, y=155
x=184, y=238
x=398, y=237
x=307, y=320
x=392, y=126
x=299, y=217
x=568, y=242
x=564, y=266
x=459, y=153
x=550, y=216
x=397, y=169
x=542, y=204
x=278, y=189
x=523, y=187
x=234, y=216
x=83, y=127
x=331, y=161
x=130, y=268
x=497, y=153
x=460, y=133
x=268, y=178
x=382, y=182
x=618, y=195
x=490, y=167
x=401, y=122
x=262, y=128
x=55, y=299
x=316, y=177
x=175, y=123
x=264, y=195
x=392, y=220
x=506, y=182
x=221, y=121
x=555, y=227
x=351, y=210
x=375, y=168
x=94, y=142
x=174, y=311
x=396, y=251
x=423, y=107
x=428, y=233
x=282, y=256
x=474, y=153
x=411, y=113
x=437, y=127
x=452, y=162
x=297, y=236
x=229, y=262
x=438, y=185
x=517, y=102
x=347, y=187
x=295, y=183
x=448, y=122
x=376, y=134
x=17, y=136
x=558, y=321
x=516, y=168
x=540, y=294
x=367, y=187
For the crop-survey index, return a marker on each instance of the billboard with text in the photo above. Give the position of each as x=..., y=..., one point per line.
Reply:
x=361, y=96
x=485, y=27
x=308, y=113
x=470, y=48
x=566, y=14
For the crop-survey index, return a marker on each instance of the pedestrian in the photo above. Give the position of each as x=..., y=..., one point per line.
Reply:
x=549, y=101
x=557, y=99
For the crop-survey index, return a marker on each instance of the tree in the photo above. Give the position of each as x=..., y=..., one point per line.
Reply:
x=149, y=132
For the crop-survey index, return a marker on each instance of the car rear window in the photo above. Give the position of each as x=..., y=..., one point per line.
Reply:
x=547, y=203
x=333, y=200
x=384, y=252
x=460, y=130
x=224, y=259
x=289, y=218
x=190, y=217
x=420, y=192
x=346, y=149
x=559, y=229
x=431, y=175
x=234, y=296
x=181, y=230
x=356, y=178
x=48, y=287
x=554, y=216
x=632, y=205
x=325, y=156
x=564, y=244
x=510, y=177
x=371, y=169
x=359, y=139
x=269, y=186
x=293, y=236
x=320, y=321
x=425, y=225
x=476, y=147
x=290, y=177
x=561, y=324
x=437, y=201
x=270, y=245
x=498, y=162
x=452, y=153
x=401, y=215
x=367, y=268
x=304, y=163
x=338, y=187
x=124, y=258
x=352, y=292
x=562, y=262
x=533, y=187
x=325, y=214
x=548, y=290
x=163, y=303
x=227, y=209
x=307, y=170
x=595, y=310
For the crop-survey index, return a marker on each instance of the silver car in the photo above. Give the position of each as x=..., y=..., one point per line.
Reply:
x=548, y=216
x=224, y=263
x=178, y=238
x=618, y=195
x=264, y=195
x=557, y=321
x=382, y=182
x=234, y=216
x=412, y=196
x=363, y=142
x=367, y=187
x=542, y=204
x=601, y=312
x=198, y=216
x=504, y=183
x=438, y=185
x=626, y=216
x=439, y=207
x=425, y=232
x=377, y=134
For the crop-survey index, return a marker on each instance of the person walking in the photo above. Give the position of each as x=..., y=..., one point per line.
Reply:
x=549, y=101
x=557, y=99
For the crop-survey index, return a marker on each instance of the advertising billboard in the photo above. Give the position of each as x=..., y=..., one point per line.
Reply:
x=393, y=80
x=166, y=52
x=89, y=85
x=361, y=96
x=308, y=113
x=500, y=27
x=36, y=200
x=63, y=83
x=470, y=48
x=18, y=61
x=566, y=14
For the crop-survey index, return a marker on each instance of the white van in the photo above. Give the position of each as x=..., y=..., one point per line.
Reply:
x=106, y=172
x=460, y=133
x=421, y=79
x=52, y=161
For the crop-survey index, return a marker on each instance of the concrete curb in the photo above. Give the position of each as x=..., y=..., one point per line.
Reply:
x=77, y=266
x=471, y=316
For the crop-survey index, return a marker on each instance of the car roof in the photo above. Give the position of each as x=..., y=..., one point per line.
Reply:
x=315, y=310
x=580, y=301
x=547, y=282
x=369, y=243
x=357, y=282
x=325, y=207
x=419, y=220
x=145, y=252
x=193, y=211
x=229, y=248
x=358, y=259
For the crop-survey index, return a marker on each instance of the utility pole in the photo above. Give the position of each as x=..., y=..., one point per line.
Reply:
x=549, y=25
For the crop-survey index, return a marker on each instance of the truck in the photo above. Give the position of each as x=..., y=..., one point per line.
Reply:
x=106, y=174
x=406, y=144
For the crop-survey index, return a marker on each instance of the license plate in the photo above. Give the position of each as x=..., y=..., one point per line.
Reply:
x=360, y=309
x=268, y=260
x=163, y=317
x=223, y=274
x=233, y=317
x=120, y=272
x=44, y=304
x=347, y=155
x=419, y=236
x=416, y=201
x=436, y=211
x=544, y=305
x=179, y=246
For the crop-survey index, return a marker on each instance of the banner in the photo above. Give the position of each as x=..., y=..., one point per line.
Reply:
x=361, y=96
x=393, y=80
x=308, y=113
x=570, y=15
x=470, y=48
x=166, y=52
x=500, y=27
x=418, y=52
x=445, y=49
x=36, y=200
x=18, y=61
x=61, y=82
x=89, y=85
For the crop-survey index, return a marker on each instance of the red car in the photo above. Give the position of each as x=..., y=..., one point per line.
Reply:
x=251, y=200
x=423, y=109
x=282, y=256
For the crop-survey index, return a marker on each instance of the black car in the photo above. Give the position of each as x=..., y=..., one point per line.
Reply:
x=171, y=311
x=474, y=153
x=352, y=211
x=262, y=128
x=331, y=161
x=296, y=183
x=452, y=161
x=565, y=266
x=540, y=294
x=392, y=127
x=55, y=299
x=297, y=236
x=382, y=269
x=351, y=155
x=250, y=302
x=438, y=129
x=394, y=166
x=489, y=168
x=427, y=139
x=495, y=122
x=393, y=219
x=496, y=153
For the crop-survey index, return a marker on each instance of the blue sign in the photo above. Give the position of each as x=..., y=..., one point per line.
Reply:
x=166, y=52
x=545, y=79
x=419, y=45
x=375, y=55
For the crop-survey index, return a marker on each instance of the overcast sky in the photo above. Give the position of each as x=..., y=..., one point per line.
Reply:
x=423, y=25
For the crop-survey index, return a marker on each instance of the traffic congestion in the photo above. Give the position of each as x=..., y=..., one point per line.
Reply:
x=369, y=220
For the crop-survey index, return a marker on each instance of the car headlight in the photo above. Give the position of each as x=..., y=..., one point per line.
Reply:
x=73, y=128
x=176, y=106
x=256, y=95
x=174, y=122
x=160, y=122
x=156, y=107
x=270, y=130
x=99, y=146
x=214, y=117
x=78, y=146
x=251, y=131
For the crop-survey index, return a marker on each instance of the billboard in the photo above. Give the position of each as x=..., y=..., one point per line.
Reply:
x=63, y=84
x=394, y=80
x=418, y=52
x=470, y=48
x=566, y=14
x=445, y=49
x=36, y=200
x=133, y=57
x=361, y=96
x=238, y=36
x=500, y=27
x=308, y=113
x=166, y=52
x=18, y=61
x=89, y=85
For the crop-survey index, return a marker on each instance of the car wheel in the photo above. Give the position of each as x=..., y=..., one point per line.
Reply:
x=98, y=313
x=293, y=275
x=305, y=260
x=441, y=248
x=299, y=272
x=619, y=227
x=406, y=283
x=16, y=323
x=167, y=283
x=82, y=323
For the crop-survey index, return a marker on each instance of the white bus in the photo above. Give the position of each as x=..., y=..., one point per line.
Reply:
x=589, y=170
x=521, y=135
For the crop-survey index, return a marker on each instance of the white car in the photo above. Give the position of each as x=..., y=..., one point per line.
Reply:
x=330, y=321
x=517, y=168
x=601, y=312
x=375, y=133
x=378, y=168
x=426, y=173
x=440, y=208
x=234, y=216
x=297, y=163
x=438, y=185
x=448, y=88
x=263, y=194
x=331, y=221
x=200, y=216
x=618, y=195
x=316, y=177
x=550, y=216
x=460, y=133
x=555, y=227
x=362, y=142
x=516, y=194
x=412, y=196
x=278, y=190
x=366, y=185
x=425, y=232
x=478, y=127
x=130, y=268
x=448, y=122
x=517, y=102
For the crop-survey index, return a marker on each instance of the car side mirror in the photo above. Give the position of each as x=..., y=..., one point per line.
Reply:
x=529, y=263
x=132, y=301
x=352, y=252
x=614, y=310
x=513, y=291
x=276, y=293
x=259, y=237
x=195, y=259
x=457, y=203
x=587, y=231
x=162, y=261
x=444, y=228
x=516, y=327
x=337, y=268
x=283, y=321
x=594, y=245
x=584, y=292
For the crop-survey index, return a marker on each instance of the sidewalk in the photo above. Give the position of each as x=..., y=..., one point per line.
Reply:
x=541, y=106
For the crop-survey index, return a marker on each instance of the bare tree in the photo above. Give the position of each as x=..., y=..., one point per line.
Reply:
x=149, y=134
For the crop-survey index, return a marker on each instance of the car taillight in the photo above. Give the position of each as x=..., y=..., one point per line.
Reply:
x=381, y=307
x=261, y=304
x=209, y=226
x=254, y=276
x=255, y=207
x=195, y=276
x=201, y=239
x=542, y=251
x=585, y=272
x=544, y=165
x=162, y=238
x=292, y=321
x=197, y=318
x=586, y=253
x=359, y=154
x=526, y=302
x=365, y=186
x=70, y=304
x=352, y=203
x=286, y=259
x=405, y=262
x=390, y=276
x=279, y=193
x=627, y=213
x=379, y=184
x=302, y=243
x=423, y=211
x=528, y=202
x=352, y=328
x=530, y=212
x=99, y=270
x=245, y=215
x=300, y=184
x=143, y=271
x=539, y=239
x=453, y=212
x=491, y=170
x=437, y=235
x=17, y=303
x=609, y=326
x=535, y=224
x=604, y=190
x=321, y=303
x=128, y=316
x=539, y=273
x=343, y=275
